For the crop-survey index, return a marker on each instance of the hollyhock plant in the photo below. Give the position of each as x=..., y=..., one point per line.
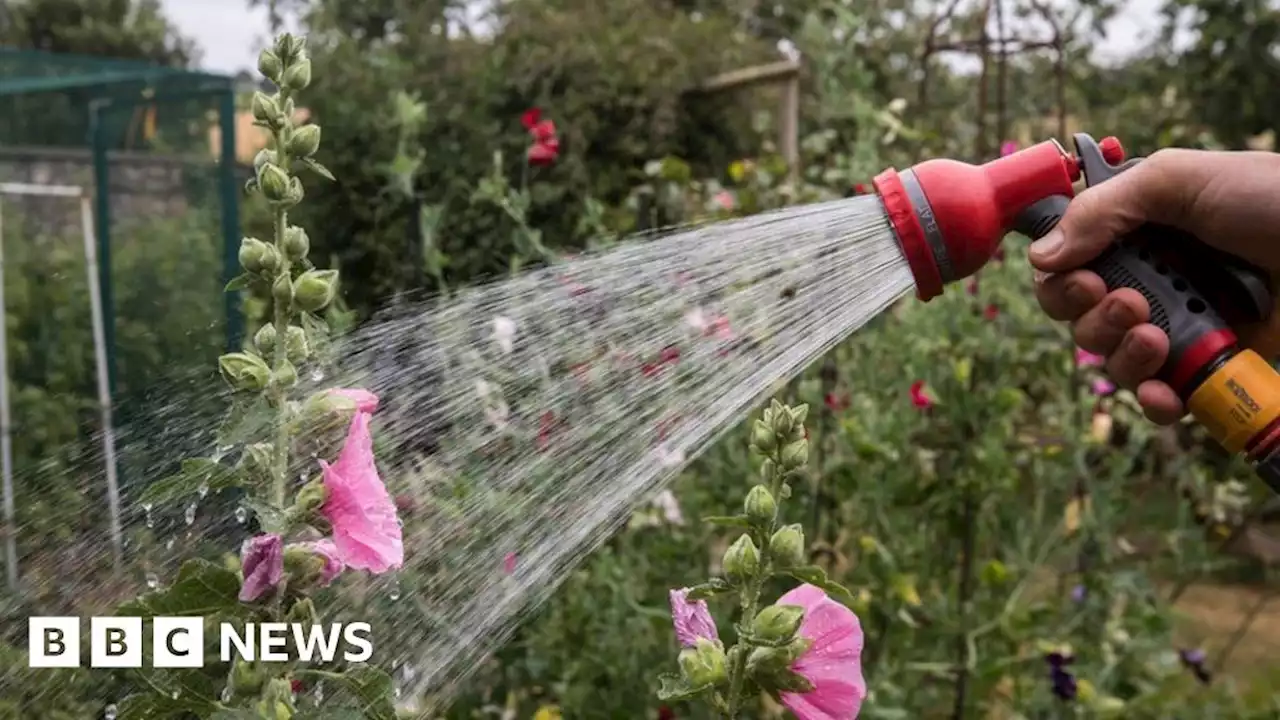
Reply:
x=920, y=398
x=313, y=497
x=804, y=650
x=546, y=143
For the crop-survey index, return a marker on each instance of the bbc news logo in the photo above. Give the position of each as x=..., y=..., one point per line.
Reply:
x=178, y=642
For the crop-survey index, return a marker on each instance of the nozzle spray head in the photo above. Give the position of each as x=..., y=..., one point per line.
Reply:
x=950, y=216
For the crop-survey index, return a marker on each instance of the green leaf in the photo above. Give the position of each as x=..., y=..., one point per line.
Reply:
x=195, y=472
x=372, y=687
x=174, y=695
x=711, y=588
x=675, y=688
x=817, y=577
x=201, y=588
x=235, y=714
x=239, y=282
x=738, y=521
x=316, y=168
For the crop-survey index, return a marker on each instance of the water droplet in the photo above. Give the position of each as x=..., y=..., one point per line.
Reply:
x=226, y=694
x=397, y=690
x=319, y=693
x=317, y=374
x=204, y=489
x=190, y=515
x=174, y=694
x=146, y=508
x=242, y=515
x=153, y=581
x=169, y=545
x=394, y=593
x=110, y=712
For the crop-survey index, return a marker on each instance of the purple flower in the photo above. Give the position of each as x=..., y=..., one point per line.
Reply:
x=1193, y=660
x=1064, y=683
x=1078, y=593
x=691, y=618
x=1103, y=387
x=262, y=561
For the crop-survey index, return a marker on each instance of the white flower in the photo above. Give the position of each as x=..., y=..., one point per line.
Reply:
x=696, y=319
x=666, y=502
x=504, y=333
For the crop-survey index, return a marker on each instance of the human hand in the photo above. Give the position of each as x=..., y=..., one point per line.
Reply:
x=1230, y=200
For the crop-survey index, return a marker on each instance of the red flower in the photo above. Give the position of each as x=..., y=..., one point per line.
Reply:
x=972, y=286
x=919, y=399
x=859, y=189
x=991, y=312
x=295, y=686
x=666, y=713
x=836, y=402
x=542, y=154
x=530, y=118
x=670, y=354
x=546, y=145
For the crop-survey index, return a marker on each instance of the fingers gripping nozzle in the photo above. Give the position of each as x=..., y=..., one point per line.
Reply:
x=1195, y=294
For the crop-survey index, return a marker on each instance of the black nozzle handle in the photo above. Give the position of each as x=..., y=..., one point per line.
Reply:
x=1192, y=289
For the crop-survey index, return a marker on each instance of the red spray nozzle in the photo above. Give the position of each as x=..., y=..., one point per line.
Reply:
x=949, y=216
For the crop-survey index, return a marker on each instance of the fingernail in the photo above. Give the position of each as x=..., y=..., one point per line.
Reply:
x=1119, y=314
x=1046, y=247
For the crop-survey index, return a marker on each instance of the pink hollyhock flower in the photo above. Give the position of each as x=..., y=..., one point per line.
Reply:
x=1009, y=147
x=919, y=398
x=1103, y=387
x=366, y=531
x=725, y=200
x=366, y=402
x=833, y=663
x=1084, y=358
x=328, y=550
x=691, y=618
x=262, y=562
x=509, y=563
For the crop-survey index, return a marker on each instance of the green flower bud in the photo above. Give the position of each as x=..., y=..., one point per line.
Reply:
x=767, y=469
x=282, y=290
x=777, y=622
x=311, y=496
x=763, y=437
x=243, y=371
x=266, y=110
x=304, y=611
x=270, y=260
x=270, y=66
x=274, y=183
x=304, y=569
x=782, y=423
x=795, y=454
x=246, y=677
x=759, y=505
x=786, y=547
x=704, y=664
x=295, y=342
x=315, y=289
x=766, y=662
x=257, y=458
x=296, y=243
x=263, y=157
x=742, y=560
x=304, y=141
x=252, y=251
x=295, y=193
x=265, y=338
x=289, y=46
x=298, y=75
x=286, y=375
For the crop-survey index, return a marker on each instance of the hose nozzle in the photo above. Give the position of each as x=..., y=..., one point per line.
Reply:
x=950, y=216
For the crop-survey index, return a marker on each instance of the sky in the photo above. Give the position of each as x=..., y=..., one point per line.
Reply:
x=229, y=34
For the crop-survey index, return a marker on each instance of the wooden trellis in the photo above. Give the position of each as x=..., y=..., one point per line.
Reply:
x=784, y=74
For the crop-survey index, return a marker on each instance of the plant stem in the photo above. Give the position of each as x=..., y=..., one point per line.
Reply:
x=279, y=393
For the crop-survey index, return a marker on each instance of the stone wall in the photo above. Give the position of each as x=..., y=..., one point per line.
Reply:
x=142, y=185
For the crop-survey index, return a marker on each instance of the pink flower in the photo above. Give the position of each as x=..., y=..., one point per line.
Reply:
x=328, y=551
x=833, y=663
x=725, y=200
x=919, y=398
x=366, y=532
x=1103, y=387
x=262, y=561
x=365, y=401
x=1084, y=358
x=509, y=563
x=691, y=618
x=991, y=311
x=546, y=145
x=1008, y=148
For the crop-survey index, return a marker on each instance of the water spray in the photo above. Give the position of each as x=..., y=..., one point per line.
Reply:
x=949, y=218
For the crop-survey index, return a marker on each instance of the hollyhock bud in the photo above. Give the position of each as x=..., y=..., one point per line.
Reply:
x=274, y=182
x=282, y=290
x=285, y=376
x=777, y=623
x=296, y=243
x=252, y=251
x=304, y=141
x=265, y=338
x=270, y=66
x=795, y=454
x=703, y=664
x=315, y=289
x=266, y=110
x=760, y=506
x=298, y=76
x=295, y=343
x=786, y=547
x=244, y=371
x=763, y=437
x=742, y=560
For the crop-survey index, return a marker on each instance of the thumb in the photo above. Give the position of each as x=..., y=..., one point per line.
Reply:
x=1101, y=214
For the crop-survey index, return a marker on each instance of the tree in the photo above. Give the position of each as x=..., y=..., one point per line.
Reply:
x=120, y=29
